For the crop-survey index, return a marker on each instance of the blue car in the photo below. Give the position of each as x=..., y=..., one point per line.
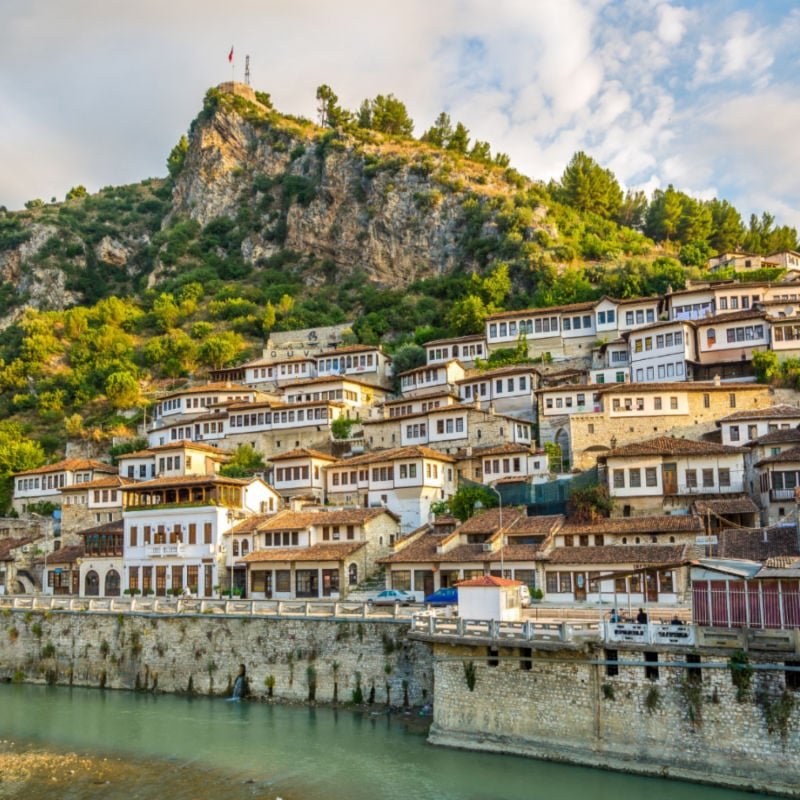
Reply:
x=443, y=597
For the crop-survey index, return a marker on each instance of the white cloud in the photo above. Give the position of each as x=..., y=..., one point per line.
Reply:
x=672, y=21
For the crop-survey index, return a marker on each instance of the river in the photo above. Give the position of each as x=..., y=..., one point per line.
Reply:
x=145, y=746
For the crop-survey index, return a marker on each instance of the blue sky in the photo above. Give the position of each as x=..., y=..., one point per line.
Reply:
x=704, y=95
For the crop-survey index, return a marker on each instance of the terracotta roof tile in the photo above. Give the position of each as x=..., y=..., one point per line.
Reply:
x=781, y=411
x=188, y=480
x=331, y=379
x=351, y=348
x=733, y=505
x=71, y=465
x=302, y=452
x=473, y=337
x=113, y=482
x=787, y=456
x=668, y=523
x=9, y=544
x=298, y=520
x=209, y=387
x=316, y=552
x=180, y=445
x=638, y=554
x=116, y=526
x=487, y=581
x=671, y=446
x=785, y=436
x=757, y=545
x=65, y=555
x=682, y=386
x=495, y=450
x=423, y=550
x=395, y=454
x=550, y=310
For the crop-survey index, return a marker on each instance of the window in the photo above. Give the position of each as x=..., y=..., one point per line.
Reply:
x=724, y=476
x=673, y=403
x=635, y=478
x=619, y=478
x=706, y=401
x=708, y=478
x=734, y=430
x=650, y=476
x=657, y=401
x=651, y=670
x=732, y=400
x=691, y=478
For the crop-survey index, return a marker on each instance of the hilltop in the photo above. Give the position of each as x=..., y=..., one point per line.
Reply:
x=268, y=222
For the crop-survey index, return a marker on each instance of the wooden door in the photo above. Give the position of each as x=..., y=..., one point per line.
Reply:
x=669, y=478
x=651, y=587
x=579, y=581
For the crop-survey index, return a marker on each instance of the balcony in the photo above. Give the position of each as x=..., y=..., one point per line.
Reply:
x=781, y=494
x=163, y=550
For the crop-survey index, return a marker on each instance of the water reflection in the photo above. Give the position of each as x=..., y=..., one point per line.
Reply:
x=302, y=753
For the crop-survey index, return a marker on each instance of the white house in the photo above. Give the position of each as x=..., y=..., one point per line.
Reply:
x=745, y=426
x=173, y=529
x=44, y=484
x=778, y=478
x=666, y=473
x=300, y=472
x=432, y=379
x=406, y=480
x=510, y=389
x=366, y=363
x=489, y=597
x=464, y=348
x=726, y=343
x=662, y=351
x=199, y=399
x=267, y=372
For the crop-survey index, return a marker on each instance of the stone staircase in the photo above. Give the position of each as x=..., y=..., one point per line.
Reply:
x=369, y=587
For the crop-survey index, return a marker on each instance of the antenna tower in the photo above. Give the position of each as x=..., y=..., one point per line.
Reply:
x=247, y=70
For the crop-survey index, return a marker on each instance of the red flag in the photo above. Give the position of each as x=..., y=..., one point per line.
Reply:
x=230, y=56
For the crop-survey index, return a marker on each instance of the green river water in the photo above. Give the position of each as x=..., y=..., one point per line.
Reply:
x=179, y=748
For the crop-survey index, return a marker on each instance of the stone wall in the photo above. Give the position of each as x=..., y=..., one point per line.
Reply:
x=566, y=709
x=202, y=654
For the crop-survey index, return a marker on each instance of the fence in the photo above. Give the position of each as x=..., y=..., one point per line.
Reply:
x=429, y=624
x=543, y=498
x=747, y=604
x=250, y=608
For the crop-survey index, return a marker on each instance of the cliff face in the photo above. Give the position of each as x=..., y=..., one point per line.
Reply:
x=393, y=210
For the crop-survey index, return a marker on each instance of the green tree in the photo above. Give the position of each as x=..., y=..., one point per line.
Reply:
x=122, y=390
x=766, y=366
x=664, y=214
x=17, y=454
x=245, y=462
x=177, y=157
x=440, y=132
x=342, y=426
x=220, y=349
x=76, y=192
x=585, y=185
x=390, y=115
x=462, y=504
x=467, y=315
x=166, y=312
x=727, y=229
x=330, y=113
x=459, y=141
x=35, y=203
x=632, y=210
x=174, y=354
x=481, y=152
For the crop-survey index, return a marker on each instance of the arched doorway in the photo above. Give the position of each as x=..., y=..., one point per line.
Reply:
x=92, y=584
x=352, y=574
x=562, y=440
x=112, y=584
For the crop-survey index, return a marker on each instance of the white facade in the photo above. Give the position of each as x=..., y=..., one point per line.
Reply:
x=661, y=352
x=438, y=378
x=464, y=348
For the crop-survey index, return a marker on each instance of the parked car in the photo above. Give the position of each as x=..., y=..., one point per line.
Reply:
x=391, y=597
x=443, y=597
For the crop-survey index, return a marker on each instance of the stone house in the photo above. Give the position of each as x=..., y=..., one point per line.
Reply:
x=668, y=474
x=406, y=480
x=556, y=404
x=404, y=406
x=619, y=575
x=770, y=444
x=633, y=412
x=181, y=457
x=663, y=529
x=61, y=572
x=317, y=552
x=503, y=542
x=354, y=394
x=85, y=504
x=366, y=363
x=431, y=379
x=778, y=478
x=102, y=565
x=197, y=400
x=505, y=462
x=44, y=484
x=725, y=344
x=17, y=573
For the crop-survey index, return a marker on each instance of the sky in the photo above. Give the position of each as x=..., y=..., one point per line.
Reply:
x=703, y=95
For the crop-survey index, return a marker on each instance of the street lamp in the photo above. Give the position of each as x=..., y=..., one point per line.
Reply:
x=478, y=504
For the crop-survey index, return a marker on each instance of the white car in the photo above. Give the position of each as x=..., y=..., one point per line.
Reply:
x=391, y=597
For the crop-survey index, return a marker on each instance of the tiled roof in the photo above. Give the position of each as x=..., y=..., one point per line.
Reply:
x=781, y=562
x=422, y=398
x=757, y=545
x=112, y=482
x=66, y=555
x=536, y=526
x=662, y=323
x=787, y=456
x=570, y=387
x=116, y=526
x=9, y=544
x=302, y=452
x=781, y=411
x=425, y=367
x=473, y=337
x=490, y=520
x=316, y=552
x=731, y=316
x=249, y=525
x=733, y=505
x=272, y=362
x=395, y=454
x=423, y=550
x=351, y=348
x=636, y=554
x=297, y=520
x=208, y=387
x=183, y=444
x=588, y=305
x=487, y=581
x=331, y=379
x=671, y=446
x=71, y=465
x=512, y=369
x=495, y=450
x=784, y=436
x=678, y=386
x=668, y=523
x=188, y=480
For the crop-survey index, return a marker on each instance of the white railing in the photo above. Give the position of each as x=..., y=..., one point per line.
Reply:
x=313, y=609
x=163, y=550
x=524, y=631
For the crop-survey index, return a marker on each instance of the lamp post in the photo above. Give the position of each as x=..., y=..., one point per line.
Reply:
x=478, y=504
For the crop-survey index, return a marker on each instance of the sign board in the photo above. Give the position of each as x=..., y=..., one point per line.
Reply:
x=672, y=634
x=626, y=632
x=57, y=570
x=705, y=540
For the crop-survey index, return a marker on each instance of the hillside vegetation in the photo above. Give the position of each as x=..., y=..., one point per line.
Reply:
x=268, y=222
